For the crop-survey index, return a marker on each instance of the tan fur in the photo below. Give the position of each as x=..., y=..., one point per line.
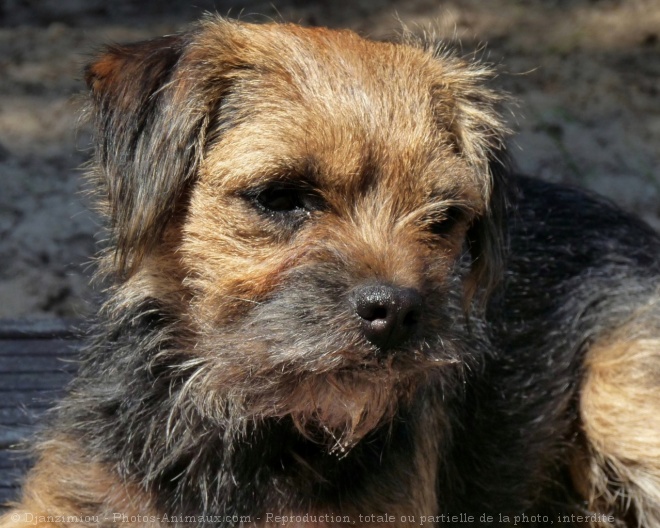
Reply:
x=620, y=411
x=65, y=489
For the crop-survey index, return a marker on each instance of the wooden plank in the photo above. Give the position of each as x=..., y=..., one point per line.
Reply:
x=20, y=415
x=32, y=399
x=15, y=435
x=13, y=465
x=37, y=360
x=25, y=347
x=23, y=364
x=12, y=381
x=44, y=328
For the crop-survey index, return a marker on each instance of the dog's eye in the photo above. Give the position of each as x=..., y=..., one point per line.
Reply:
x=288, y=203
x=281, y=200
x=446, y=223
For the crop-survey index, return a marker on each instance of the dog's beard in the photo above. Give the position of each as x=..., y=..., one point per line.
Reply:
x=296, y=357
x=339, y=409
x=335, y=408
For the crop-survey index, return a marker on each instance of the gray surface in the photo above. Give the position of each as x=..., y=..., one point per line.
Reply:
x=36, y=362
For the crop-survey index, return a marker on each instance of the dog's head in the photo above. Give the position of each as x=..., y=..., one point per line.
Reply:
x=306, y=204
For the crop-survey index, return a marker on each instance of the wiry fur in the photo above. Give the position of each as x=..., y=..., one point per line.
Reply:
x=228, y=375
x=621, y=427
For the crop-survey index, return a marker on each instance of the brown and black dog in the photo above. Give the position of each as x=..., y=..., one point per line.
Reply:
x=331, y=303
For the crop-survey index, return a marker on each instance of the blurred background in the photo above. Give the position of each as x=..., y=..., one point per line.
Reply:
x=585, y=75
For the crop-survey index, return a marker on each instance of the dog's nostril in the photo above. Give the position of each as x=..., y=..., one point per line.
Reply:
x=372, y=313
x=388, y=314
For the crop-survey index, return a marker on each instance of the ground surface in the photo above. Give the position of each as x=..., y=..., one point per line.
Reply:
x=586, y=75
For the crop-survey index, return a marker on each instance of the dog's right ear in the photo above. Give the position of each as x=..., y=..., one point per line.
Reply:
x=149, y=140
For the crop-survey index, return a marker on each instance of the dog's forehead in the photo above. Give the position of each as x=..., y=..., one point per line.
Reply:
x=350, y=107
x=372, y=88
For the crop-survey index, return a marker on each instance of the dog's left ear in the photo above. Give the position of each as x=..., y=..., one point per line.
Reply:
x=486, y=236
x=467, y=112
x=149, y=140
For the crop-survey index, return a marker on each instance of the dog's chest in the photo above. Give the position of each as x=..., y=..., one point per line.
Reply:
x=402, y=493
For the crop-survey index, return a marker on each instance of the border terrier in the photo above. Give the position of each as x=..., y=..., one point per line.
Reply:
x=332, y=302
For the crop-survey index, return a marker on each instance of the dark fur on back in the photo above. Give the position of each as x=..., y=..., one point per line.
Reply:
x=592, y=266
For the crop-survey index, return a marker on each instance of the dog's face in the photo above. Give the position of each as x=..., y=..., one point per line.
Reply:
x=300, y=202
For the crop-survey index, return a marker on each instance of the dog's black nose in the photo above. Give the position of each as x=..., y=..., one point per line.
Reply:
x=388, y=314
